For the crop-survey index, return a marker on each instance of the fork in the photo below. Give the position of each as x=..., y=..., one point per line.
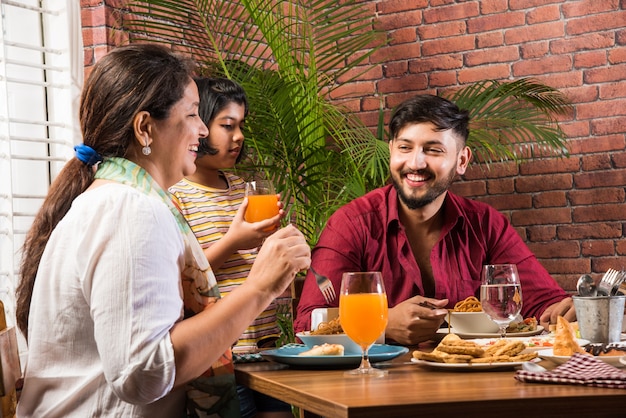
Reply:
x=325, y=285
x=610, y=279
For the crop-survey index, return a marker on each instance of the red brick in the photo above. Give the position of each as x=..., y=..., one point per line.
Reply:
x=596, y=162
x=408, y=82
x=492, y=6
x=441, y=30
x=399, y=20
x=549, y=166
x=353, y=89
x=493, y=171
x=544, y=216
x=527, y=4
x=601, y=75
x=534, y=33
x=442, y=78
x=490, y=72
x=402, y=36
x=598, y=213
x=529, y=184
x=491, y=55
x=501, y=186
x=571, y=78
x=615, y=177
x=549, y=64
x=589, y=231
x=597, y=248
x=599, y=109
x=587, y=7
x=596, y=195
x=607, y=126
x=620, y=247
x=619, y=159
x=589, y=41
x=581, y=94
x=576, y=266
x=486, y=40
x=602, y=264
x=543, y=14
x=454, y=12
x=599, y=144
x=394, y=6
x=397, y=52
x=617, y=55
x=508, y=202
x=575, y=130
x=596, y=23
x=550, y=199
x=394, y=69
x=590, y=59
x=448, y=45
x=541, y=233
x=534, y=49
x=427, y=64
x=469, y=188
x=495, y=22
x=555, y=249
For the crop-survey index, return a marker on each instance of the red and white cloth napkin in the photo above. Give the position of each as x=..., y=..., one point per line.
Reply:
x=581, y=369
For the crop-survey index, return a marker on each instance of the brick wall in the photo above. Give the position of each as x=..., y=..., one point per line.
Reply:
x=572, y=211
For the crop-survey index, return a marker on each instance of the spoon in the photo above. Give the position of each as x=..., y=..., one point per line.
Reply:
x=529, y=366
x=586, y=286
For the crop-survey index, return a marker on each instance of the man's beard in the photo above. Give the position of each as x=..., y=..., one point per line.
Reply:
x=438, y=188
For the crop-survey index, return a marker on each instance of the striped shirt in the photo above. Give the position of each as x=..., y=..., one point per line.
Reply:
x=210, y=212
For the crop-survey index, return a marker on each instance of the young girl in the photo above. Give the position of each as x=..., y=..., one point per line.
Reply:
x=212, y=201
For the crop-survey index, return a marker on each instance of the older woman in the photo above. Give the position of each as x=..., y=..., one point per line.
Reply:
x=100, y=298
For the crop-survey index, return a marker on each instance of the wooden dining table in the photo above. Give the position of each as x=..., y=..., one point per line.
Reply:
x=410, y=390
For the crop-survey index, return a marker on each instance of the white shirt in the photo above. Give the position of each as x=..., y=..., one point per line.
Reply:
x=107, y=294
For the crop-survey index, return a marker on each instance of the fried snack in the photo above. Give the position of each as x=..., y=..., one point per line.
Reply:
x=453, y=349
x=470, y=304
x=325, y=349
x=564, y=339
x=328, y=328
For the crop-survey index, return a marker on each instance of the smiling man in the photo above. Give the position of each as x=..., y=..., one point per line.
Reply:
x=428, y=243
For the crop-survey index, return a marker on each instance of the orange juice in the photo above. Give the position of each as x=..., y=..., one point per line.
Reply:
x=363, y=316
x=261, y=207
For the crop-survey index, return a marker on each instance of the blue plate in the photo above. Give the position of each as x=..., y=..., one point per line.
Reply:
x=289, y=354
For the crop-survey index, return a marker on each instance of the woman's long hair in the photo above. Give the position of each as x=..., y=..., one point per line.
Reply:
x=126, y=81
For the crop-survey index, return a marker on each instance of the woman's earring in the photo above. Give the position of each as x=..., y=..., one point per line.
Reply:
x=146, y=150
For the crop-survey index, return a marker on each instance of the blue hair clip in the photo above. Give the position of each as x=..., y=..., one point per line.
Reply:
x=87, y=155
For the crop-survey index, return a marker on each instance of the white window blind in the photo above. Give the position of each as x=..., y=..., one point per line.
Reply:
x=41, y=70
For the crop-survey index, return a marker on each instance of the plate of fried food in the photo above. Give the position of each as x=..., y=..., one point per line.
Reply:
x=535, y=343
x=455, y=353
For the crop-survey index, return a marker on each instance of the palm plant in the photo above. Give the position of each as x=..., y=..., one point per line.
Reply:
x=289, y=56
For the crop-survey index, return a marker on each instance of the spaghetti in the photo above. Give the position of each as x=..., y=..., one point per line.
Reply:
x=328, y=328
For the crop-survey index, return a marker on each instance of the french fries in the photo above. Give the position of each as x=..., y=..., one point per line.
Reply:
x=453, y=349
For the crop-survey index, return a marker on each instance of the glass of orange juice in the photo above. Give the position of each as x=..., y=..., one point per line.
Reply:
x=262, y=201
x=363, y=312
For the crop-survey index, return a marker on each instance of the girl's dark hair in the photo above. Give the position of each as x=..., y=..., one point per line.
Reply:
x=126, y=81
x=441, y=112
x=215, y=95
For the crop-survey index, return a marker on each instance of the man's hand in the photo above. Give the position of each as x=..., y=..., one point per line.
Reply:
x=411, y=323
x=565, y=308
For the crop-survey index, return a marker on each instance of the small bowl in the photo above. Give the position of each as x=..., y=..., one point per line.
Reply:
x=472, y=323
x=350, y=347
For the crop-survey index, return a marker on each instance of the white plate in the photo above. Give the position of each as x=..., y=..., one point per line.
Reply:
x=468, y=366
x=289, y=354
x=538, y=331
x=549, y=355
x=536, y=343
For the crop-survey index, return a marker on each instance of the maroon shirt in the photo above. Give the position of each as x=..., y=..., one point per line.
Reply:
x=366, y=235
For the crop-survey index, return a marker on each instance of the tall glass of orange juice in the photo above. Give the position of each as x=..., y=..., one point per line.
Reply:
x=262, y=201
x=363, y=312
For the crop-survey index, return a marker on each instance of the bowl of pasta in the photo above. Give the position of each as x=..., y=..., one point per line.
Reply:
x=467, y=317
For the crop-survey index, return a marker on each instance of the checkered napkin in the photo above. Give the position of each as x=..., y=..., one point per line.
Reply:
x=580, y=369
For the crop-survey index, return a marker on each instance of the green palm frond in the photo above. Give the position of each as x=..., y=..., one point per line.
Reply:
x=513, y=120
